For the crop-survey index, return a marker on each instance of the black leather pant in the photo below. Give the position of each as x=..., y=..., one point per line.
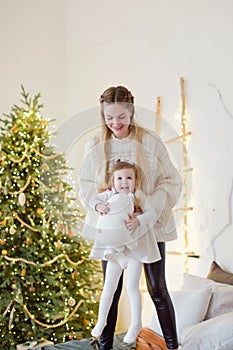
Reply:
x=156, y=284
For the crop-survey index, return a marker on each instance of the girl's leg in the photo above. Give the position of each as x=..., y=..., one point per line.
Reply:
x=107, y=336
x=134, y=269
x=156, y=283
x=113, y=273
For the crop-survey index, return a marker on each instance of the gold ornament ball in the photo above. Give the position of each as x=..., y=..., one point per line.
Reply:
x=32, y=289
x=23, y=272
x=85, y=322
x=39, y=211
x=3, y=223
x=74, y=275
x=28, y=241
x=4, y=252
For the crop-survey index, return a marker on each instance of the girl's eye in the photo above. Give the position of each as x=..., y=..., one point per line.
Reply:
x=129, y=178
x=119, y=178
x=122, y=116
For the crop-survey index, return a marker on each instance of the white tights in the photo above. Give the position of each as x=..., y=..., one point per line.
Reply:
x=113, y=273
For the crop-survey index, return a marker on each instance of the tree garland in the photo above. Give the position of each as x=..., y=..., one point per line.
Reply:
x=21, y=159
x=50, y=262
x=54, y=325
x=39, y=322
x=22, y=188
x=14, y=160
x=24, y=223
x=44, y=156
x=8, y=307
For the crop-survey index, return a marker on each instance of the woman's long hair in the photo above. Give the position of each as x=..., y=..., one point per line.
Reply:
x=119, y=94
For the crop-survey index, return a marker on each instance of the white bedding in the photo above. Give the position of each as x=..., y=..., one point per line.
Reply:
x=213, y=334
x=204, y=314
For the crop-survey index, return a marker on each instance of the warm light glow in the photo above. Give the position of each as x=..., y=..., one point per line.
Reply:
x=186, y=169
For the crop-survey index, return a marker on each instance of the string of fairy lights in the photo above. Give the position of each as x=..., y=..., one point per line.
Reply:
x=186, y=169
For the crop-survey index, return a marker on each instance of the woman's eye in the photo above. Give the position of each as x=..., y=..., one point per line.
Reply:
x=122, y=116
x=119, y=178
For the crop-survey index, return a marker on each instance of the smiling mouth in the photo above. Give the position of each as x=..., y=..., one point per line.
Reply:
x=118, y=127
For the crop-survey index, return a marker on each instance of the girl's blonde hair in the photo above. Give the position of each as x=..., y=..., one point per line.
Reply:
x=120, y=165
x=118, y=94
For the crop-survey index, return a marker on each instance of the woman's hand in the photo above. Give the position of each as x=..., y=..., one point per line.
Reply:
x=132, y=222
x=102, y=208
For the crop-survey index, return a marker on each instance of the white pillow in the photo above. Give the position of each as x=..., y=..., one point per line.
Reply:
x=190, y=308
x=214, y=334
x=222, y=294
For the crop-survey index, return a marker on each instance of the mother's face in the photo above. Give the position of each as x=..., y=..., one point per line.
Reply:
x=117, y=118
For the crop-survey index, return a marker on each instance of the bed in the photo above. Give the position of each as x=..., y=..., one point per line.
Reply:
x=204, y=311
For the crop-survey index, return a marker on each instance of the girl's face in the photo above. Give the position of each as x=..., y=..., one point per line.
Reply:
x=124, y=181
x=117, y=118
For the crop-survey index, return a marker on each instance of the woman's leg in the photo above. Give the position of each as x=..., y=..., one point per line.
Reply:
x=134, y=269
x=156, y=283
x=113, y=273
x=106, y=338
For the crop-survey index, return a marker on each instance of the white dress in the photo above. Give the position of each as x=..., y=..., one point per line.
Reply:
x=113, y=241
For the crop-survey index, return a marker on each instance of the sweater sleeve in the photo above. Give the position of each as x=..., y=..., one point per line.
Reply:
x=148, y=216
x=99, y=198
x=167, y=183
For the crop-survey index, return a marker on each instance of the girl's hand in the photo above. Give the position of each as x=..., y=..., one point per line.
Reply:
x=132, y=223
x=102, y=208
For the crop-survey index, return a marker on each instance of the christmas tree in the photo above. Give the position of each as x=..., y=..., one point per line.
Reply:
x=48, y=284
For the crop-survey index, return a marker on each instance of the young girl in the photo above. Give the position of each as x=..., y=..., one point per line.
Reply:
x=122, y=138
x=121, y=225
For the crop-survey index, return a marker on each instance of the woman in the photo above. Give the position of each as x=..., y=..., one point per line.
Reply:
x=121, y=138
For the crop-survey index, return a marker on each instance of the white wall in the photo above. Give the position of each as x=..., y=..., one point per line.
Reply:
x=32, y=46
x=72, y=50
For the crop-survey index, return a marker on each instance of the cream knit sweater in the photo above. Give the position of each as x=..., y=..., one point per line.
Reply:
x=161, y=181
